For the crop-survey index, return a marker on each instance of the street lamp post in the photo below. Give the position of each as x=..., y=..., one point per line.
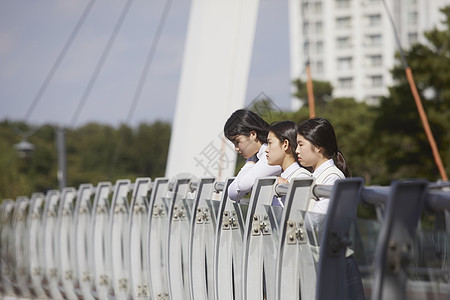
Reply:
x=26, y=149
x=62, y=165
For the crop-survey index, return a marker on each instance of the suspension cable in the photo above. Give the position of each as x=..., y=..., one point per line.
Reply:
x=149, y=60
x=143, y=77
x=101, y=62
x=58, y=60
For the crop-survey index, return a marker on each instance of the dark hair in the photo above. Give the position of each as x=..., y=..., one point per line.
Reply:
x=320, y=133
x=286, y=130
x=243, y=121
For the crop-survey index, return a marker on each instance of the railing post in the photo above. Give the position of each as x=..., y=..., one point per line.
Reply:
x=65, y=238
x=6, y=243
x=177, y=239
x=21, y=250
x=344, y=199
x=260, y=243
x=395, y=241
x=157, y=233
x=118, y=231
x=35, y=243
x=228, y=248
x=295, y=264
x=51, y=261
x=201, y=243
x=102, y=287
x=137, y=233
x=83, y=236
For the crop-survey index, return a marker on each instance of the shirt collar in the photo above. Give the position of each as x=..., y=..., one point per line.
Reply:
x=291, y=169
x=262, y=151
x=322, y=167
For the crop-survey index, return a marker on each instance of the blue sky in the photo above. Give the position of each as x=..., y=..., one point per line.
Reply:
x=33, y=33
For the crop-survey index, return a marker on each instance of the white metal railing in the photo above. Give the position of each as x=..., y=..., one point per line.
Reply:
x=183, y=238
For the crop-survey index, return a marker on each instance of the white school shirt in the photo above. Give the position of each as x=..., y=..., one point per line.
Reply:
x=326, y=173
x=294, y=171
x=246, y=177
x=291, y=172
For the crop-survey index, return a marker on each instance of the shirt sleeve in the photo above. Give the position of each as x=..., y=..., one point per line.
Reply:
x=246, y=177
x=320, y=207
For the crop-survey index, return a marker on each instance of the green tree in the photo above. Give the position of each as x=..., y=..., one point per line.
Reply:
x=398, y=130
x=95, y=153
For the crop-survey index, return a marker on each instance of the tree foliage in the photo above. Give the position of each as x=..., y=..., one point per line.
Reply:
x=398, y=129
x=322, y=92
x=94, y=152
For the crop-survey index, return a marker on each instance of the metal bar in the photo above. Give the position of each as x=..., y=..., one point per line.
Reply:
x=375, y=195
x=219, y=186
x=281, y=189
x=193, y=186
x=437, y=201
x=439, y=185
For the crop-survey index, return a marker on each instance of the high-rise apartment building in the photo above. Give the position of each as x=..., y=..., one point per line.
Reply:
x=351, y=43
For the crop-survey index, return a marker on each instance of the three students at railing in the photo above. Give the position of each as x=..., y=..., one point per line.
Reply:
x=288, y=150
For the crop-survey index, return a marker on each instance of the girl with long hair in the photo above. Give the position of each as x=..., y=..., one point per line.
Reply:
x=318, y=149
x=282, y=143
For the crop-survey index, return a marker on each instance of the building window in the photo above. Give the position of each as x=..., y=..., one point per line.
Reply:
x=319, y=47
x=373, y=40
x=306, y=7
x=375, y=60
x=319, y=67
x=306, y=47
x=373, y=20
x=412, y=18
x=342, y=3
x=413, y=38
x=345, y=63
x=343, y=22
x=318, y=7
x=343, y=42
x=305, y=28
x=376, y=81
x=319, y=27
x=345, y=82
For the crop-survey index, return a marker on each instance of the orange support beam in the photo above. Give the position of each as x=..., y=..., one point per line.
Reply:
x=310, y=92
x=426, y=125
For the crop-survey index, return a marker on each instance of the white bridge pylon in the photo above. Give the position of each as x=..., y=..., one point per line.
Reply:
x=213, y=84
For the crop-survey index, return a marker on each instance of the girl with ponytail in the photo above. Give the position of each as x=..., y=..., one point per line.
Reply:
x=317, y=144
x=317, y=148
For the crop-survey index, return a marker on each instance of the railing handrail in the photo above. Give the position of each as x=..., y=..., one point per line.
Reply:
x=436, y=200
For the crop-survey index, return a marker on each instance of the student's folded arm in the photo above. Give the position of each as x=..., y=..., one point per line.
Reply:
x=244, y=181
